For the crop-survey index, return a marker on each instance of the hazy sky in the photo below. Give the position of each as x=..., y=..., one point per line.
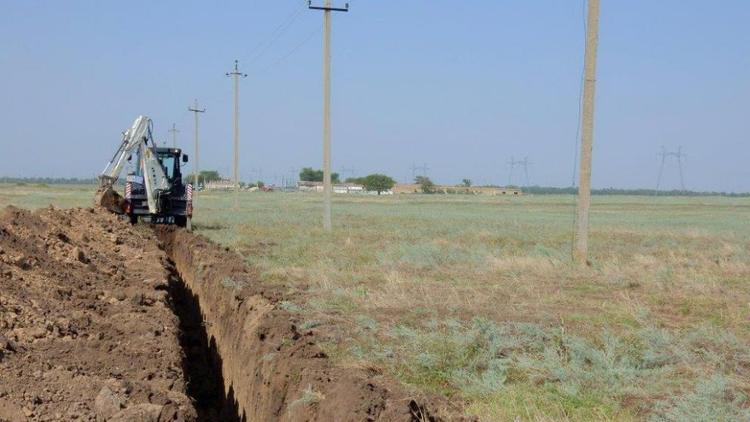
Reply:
x=459, y=85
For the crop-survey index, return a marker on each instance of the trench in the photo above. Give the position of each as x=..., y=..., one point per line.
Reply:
x=201, y=361
x=245, y=359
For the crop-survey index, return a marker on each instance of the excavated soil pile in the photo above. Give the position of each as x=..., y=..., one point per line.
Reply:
x=86, y=329
x=273, y=369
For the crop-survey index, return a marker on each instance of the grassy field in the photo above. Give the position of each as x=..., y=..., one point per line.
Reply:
x=475, y=297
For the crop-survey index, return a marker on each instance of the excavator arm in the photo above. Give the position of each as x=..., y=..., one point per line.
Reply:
x=134, y=141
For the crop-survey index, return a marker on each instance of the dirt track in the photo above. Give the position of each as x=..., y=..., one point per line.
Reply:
x=103, y=321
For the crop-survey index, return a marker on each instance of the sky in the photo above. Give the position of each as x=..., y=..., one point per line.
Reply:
x=459, y=86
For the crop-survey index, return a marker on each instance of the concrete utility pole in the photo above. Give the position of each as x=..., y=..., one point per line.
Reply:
x=236, y=75
x=196, y=171
x=581, y=244
x=327, y=189
x=174, y=132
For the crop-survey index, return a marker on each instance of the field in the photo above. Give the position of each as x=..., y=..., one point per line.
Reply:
x=475, y=297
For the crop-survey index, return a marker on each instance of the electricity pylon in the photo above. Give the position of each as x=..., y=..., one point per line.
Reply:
x=664, y=154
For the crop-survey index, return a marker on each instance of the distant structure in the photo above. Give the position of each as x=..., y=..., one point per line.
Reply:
x=414, y=168
x=305, y=186
x=174, y=131
x=407, y=188
x=664, y=155
x=525, y=163
x=223, y=184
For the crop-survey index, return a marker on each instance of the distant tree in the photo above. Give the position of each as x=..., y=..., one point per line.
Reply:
x=426, y=183
x=308, y=174
x=205, y=176
x=466, y=183
x=378, y=183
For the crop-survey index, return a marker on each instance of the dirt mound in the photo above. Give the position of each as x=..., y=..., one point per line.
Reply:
x=273, y=369
x=86, y=331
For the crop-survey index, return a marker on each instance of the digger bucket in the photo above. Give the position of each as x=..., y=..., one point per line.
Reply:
x=108, y=198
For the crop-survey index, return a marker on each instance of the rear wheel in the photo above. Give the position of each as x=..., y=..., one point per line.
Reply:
x=180, y=220
x=133, y=219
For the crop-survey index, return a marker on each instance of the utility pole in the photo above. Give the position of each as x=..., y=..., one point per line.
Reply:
x=327, y=189
x=236, y=75
x=196, y=111
x=581, y=244
x=174, y=132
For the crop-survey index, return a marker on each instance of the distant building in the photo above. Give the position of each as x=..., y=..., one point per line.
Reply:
x=304, y=186
x=219, y=185
x=470, y=190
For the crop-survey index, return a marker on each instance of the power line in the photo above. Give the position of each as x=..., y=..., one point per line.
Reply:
x=276, y=35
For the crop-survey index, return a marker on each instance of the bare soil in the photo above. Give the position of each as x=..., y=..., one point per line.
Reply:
x=101, y=320
x=86, y=328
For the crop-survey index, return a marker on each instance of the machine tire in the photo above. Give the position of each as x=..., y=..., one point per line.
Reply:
x=180, y=220
x=133, y=219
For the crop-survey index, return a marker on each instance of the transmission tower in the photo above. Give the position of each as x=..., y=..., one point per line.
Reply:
x=664, y=155
x=415, y=168
x=525, y=163
x=351, y=171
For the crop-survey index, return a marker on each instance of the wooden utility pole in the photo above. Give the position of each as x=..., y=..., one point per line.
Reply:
x=236, y=75
x=196, y=170
x=327, y=188
x=581, y=244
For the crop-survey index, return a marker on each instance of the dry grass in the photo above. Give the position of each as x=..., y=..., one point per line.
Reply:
x=434, y=290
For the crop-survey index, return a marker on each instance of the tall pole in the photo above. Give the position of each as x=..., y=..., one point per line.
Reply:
x=174, y=131
x=236, y=75
x=581, y=244
x=327, y=189
x=327, y=118
x=196, y=111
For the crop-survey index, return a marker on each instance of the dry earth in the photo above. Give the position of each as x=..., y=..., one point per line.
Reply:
x=103, y=321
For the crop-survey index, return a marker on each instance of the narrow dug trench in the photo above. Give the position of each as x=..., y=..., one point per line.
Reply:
x=201, y=362
x=247, y=360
